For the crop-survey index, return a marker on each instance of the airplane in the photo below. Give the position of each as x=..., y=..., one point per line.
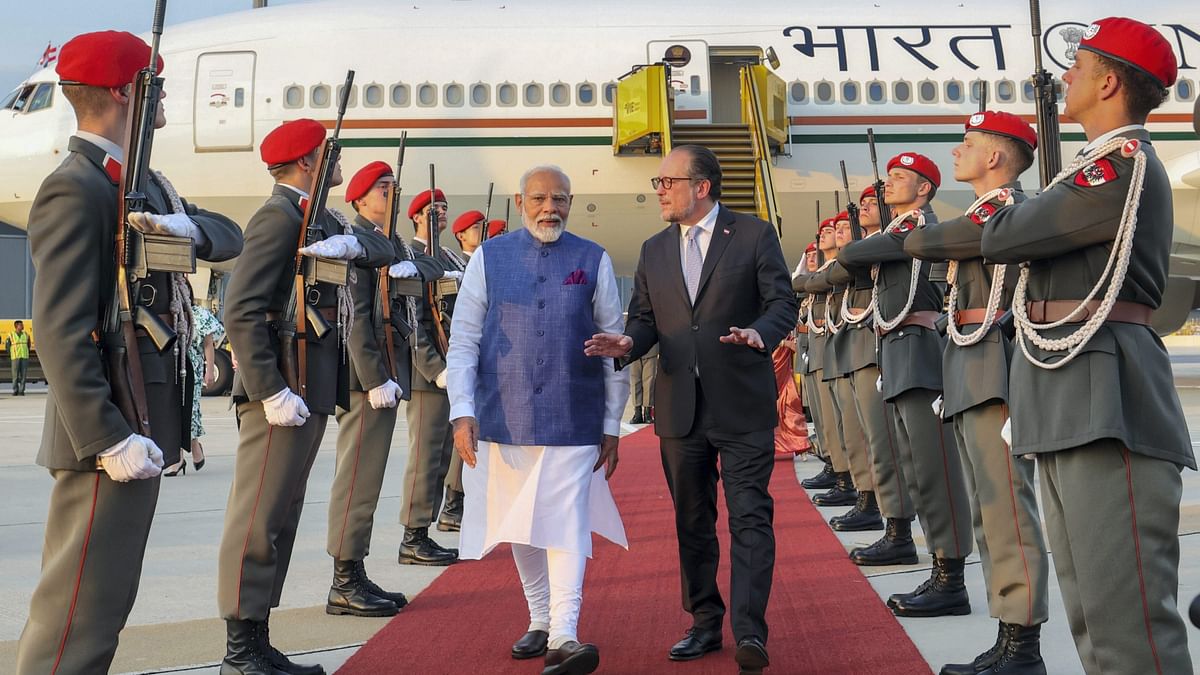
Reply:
x=489, y=88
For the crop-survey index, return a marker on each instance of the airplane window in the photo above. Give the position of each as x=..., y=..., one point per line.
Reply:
x=823, y=91
x=1027, y=91
x=979, y=90
x=533, y=94
x=798, y=91
x=850, y=92
x=12, y=99
x=954, y=91
x=353, y=100
x=1184, y=90
x=239, y=97
x=1006, y=91
x=454, y=95
x=901, y=92
x=42, y=98
x=401, y=96
x=585, y=93
x=481, y=95
x=373, y=95
x=320, y=96
x=506, y=94
x=876, y=92
x=927, y=91
x=560, y=94
x=426, y=95
x=293, y=96
x=610, y=93
x=18, y=99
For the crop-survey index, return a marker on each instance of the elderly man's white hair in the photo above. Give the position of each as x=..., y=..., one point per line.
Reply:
x=544, y=168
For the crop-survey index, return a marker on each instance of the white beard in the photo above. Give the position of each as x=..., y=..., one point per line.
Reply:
x=546, y=235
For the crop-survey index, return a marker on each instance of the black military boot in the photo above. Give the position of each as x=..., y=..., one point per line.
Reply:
x=395, y=596
x=946, y=596
x=278, y=659
x=841, y=494
x=822, y=481
x=864, y=515
x=1022, y=653
x=895, y=547
x=452, y=512
x=243, y=650
x=894, y=599
x=648, y=414
x=981, y=662
x=350, y=594
x=637, y=416
x=418, y=549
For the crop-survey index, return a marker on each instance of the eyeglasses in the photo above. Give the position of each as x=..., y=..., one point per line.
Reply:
x=668, y=181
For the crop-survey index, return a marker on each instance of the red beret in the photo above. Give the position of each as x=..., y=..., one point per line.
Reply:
x=844, y=215
x=919, y=164
x=108, y=58
x=496, y=228
x=290, y=141
x=812, y=247
x=422, y=200
x=365, y=179
x=1003, y=124
x=466, y=220
x=827, y=223
x=1134, y=43
x=868, y=191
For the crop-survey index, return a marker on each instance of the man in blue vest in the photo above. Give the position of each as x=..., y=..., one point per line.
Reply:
x=548, y=415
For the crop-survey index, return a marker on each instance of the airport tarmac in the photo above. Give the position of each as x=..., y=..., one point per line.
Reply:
x=173, y=627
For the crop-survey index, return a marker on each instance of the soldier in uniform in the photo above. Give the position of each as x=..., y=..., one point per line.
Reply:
x=825, y=479
x=430, y=441
x=279, y=431
x=106, y=475
x=378, y=382
x=997, y=147
x=1092, y=394
x=907, y=307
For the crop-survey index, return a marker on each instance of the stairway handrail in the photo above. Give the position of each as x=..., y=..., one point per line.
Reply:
x=761, y=147
x=667, y=109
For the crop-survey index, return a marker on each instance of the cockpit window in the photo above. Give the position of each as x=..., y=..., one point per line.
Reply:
x=18, y=98
x=29, y=97
x=43, y=97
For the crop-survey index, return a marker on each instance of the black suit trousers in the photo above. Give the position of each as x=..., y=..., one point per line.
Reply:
x=691, y=467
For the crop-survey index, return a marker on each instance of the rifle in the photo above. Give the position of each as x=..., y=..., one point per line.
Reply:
x=385, y=298
x=1045, y=92
x=856, y=232
x=122, y=360
x=885, y=212
x=432, y=291
x=508, y=202
x=293, y=362
x=487, y=214
x=820, y=253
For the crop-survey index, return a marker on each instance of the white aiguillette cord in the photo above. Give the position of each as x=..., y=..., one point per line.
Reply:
x=181, y=306
x=886, y=325
x=997, y=290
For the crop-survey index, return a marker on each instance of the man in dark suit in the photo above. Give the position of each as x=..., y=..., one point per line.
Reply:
x=713, y=291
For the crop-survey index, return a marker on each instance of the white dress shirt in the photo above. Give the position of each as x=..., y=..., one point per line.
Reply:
x=115, y=151
x=1109, y=135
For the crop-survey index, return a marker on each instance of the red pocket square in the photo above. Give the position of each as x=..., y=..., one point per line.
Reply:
x=576, y=277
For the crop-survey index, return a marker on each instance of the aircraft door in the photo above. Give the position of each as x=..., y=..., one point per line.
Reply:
x=689, y=77
x=223, y=117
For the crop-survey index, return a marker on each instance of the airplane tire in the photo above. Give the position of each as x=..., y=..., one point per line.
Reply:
x=224, y=382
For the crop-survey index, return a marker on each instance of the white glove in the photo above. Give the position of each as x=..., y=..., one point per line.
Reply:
x=440, y=380
x=452, y=274
x=879, y=384
x=135, y=458
x=403, y=270
x=805, y=358
x=338, y=247
x=384, y=396
x=172, y=224
x=938, y=406
x=1006, y=432
x=285, y=409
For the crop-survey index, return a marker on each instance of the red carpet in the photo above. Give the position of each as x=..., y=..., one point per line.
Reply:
x=823, y=614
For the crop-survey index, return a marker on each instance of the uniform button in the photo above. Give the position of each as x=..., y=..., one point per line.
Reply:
x=540, y=362
x=540, y=332
x=541, y=304
x=538, y=390
x=695, y=328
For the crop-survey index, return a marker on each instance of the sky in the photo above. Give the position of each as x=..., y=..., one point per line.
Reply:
x=29, y=26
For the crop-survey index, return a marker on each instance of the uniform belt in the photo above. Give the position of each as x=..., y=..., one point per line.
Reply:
x=1049, y=311
x=330, y=313
x=925, y=319
x=858, y=310
x=966, y=317
x=818, y=322
x=802, y=329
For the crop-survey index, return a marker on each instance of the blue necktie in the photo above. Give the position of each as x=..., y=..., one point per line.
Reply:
x=694, y=262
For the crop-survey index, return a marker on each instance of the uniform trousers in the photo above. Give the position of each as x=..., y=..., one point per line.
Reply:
x=96, y=534
x=553, y=584
x=937, y=486
x=854, y=439
x=876, y=418
x=1112, y=517
x=812, y=403
x=1004, y=511
x=641, y=380
x=430, y=447
x=454, y=473
x=270, y=476
x=363, y=444
x=831, y=425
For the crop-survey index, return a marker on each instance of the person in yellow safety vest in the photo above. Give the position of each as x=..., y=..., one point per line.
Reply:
x=17, y=345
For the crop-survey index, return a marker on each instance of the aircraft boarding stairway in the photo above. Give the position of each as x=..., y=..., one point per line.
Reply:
x=734, y=146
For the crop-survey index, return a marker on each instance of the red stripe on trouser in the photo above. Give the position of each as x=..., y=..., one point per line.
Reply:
x=362, y=418
x=87, y=537
x=417, y=456
x=1137, y=550
x=949, y=490
x=253, y=512
x=1012, y=495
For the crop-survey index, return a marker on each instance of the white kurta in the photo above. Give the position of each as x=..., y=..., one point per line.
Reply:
x=543, y=496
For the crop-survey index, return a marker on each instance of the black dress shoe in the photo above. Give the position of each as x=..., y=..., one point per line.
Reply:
x=531, y=645
x=751, y=656
x=695, y=644
x=572, y=658
x=418, y=549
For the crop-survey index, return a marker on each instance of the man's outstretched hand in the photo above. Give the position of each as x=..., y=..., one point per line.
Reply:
x=466, y=439
x=743, y=336
x=612, y=345
x=608, y=455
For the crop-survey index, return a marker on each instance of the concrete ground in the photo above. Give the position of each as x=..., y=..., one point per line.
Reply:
x=173, y=626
